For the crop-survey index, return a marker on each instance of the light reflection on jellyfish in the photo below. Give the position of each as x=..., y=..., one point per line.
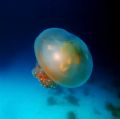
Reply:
x=63, y=59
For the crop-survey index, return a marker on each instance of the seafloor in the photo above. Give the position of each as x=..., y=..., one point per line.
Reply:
x=22, y=96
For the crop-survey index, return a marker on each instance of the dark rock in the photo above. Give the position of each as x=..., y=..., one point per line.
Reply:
x=72, y=100
x=114, y=110
x=71, y=115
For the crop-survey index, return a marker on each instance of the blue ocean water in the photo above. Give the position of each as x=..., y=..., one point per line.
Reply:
x=23, y=97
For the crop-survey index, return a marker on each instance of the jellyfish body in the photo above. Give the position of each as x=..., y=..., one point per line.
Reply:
x=63, y=57
x=43, y=78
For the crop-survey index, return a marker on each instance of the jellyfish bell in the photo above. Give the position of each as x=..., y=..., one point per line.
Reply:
x=63, y=58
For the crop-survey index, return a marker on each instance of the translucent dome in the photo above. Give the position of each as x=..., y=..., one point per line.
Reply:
x=64, y=57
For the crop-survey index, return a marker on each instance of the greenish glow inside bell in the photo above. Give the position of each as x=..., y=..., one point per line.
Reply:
x=64, y=57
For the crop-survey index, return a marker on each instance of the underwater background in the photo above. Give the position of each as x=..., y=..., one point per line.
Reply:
x=22, y=96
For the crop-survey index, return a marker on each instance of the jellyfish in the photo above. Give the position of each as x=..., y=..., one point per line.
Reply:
x=62, y=59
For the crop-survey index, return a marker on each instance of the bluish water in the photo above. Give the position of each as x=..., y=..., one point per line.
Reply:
x=22, y=96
